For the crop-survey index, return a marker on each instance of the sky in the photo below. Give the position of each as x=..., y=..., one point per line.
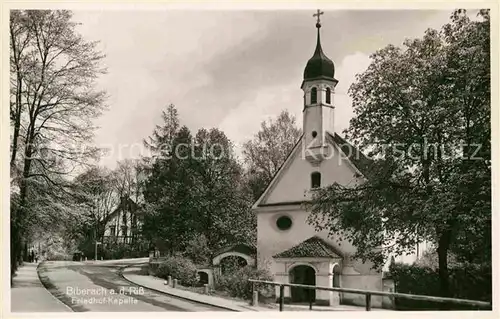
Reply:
x=229, y=69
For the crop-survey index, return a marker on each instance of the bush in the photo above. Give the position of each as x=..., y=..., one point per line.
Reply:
x=236, y=283
x=180, y=268
x=466, y=282
x=120, y=251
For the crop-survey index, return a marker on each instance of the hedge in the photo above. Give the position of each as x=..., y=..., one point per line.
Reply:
x=180, y=268
x=467, y=281
x=236, y=283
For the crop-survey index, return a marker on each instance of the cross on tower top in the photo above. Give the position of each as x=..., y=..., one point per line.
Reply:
x=317, y=15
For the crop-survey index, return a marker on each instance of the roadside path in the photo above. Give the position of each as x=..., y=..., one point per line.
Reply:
x=29, y=295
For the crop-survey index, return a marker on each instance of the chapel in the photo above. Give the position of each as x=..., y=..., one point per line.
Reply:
x=286, y=244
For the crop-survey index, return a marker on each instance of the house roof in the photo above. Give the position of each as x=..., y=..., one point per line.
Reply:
x=125, y=202
x=312, y=247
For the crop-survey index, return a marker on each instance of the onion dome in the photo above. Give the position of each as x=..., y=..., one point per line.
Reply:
x=319, y=66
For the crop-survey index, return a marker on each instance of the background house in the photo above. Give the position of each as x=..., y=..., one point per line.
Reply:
x=123, y=225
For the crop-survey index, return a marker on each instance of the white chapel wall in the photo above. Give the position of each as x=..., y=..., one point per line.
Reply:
x=295, y=181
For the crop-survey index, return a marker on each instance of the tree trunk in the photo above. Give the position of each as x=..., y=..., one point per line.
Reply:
x=25, y=252
x=443, y=246
x=20, y=212
x=17, y=126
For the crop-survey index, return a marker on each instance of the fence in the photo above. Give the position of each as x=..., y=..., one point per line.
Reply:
x=368, y=294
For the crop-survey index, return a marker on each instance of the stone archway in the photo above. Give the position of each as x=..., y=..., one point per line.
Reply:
x=304, y=275
x=217, y=259
x=231, y=263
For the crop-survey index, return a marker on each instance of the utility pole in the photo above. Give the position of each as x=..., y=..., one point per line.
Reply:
x=96, y=243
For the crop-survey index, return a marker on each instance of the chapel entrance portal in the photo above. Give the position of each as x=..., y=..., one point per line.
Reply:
x=304, y=275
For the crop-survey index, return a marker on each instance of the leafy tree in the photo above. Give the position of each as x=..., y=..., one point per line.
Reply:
x=53, y=103
x=196, y=189
x=468, y=89
x=268, y=150
x=160, y=142
x=423, y=111
x=168, y=197
x=429, y=259
x=51, y=212
x=224, y=213
x=198, y=251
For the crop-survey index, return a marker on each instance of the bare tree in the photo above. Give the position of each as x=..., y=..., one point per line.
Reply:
x=129, y=179
x=53, y=104
x=96, y=192
x=268, y=150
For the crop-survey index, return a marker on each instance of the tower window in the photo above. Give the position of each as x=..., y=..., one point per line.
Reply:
x=316, y=180
x=314, y=95
x=314, y=134
x=328, y=98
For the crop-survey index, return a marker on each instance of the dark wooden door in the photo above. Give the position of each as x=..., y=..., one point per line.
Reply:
x=304, y=275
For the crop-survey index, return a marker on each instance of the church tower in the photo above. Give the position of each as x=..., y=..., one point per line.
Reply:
x=318, y=114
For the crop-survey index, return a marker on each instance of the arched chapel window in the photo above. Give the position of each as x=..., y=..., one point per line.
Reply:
x=316, y=180
x=328, y=98
x=314, y=95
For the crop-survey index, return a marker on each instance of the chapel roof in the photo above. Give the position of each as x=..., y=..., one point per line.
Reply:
x=357, y=158
x=319, y=65
x=312, y=247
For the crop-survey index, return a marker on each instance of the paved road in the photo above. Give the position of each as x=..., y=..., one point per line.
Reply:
x=99, y=287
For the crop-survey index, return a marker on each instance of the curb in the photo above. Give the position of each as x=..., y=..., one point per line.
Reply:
x=49, y=287
x=174, y=295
